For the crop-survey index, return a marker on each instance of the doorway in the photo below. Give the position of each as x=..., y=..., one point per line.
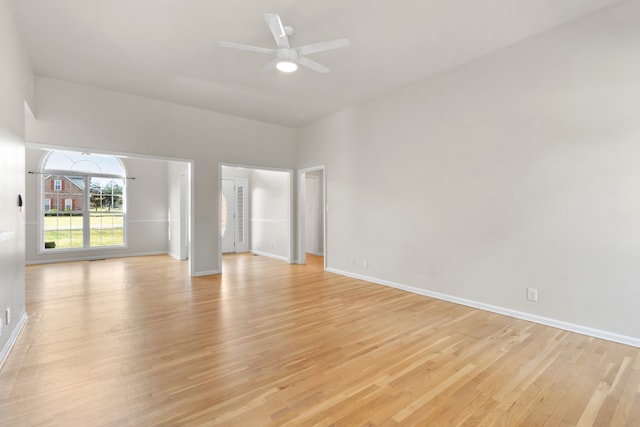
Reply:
x=312, y=219
x=256, y=210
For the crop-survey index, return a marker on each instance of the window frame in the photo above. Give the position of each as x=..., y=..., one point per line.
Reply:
x=86, y=207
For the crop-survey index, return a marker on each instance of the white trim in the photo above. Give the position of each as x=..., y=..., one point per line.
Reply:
x=269, y=221
x=571, y=327
x=278, y=257
x=95, y=257
x=12, y=340
x=205, y=273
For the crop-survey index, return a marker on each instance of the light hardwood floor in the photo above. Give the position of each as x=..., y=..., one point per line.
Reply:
x=136, y=342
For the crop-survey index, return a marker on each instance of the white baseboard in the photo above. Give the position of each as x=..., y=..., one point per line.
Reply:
x=205, y=273
x=278, y=257
x=92, y=257
x=12, y=339
x=580, y=329
x=176, y=256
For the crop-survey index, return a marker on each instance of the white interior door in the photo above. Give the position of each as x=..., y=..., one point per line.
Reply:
x=227, y=216
x=241, y=194
x=311, y=214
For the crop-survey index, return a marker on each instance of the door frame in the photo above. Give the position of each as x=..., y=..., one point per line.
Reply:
x=292, y=206
x=302, y=174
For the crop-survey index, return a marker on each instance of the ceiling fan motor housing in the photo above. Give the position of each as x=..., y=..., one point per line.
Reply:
x=287, y=55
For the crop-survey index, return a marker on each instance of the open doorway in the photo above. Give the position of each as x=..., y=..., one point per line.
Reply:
x=256, y=212
x=312, y=221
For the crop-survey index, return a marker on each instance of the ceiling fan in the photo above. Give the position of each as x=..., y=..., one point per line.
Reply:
x=288, y=58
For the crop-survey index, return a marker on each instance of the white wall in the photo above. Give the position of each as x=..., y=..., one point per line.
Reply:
x=270, y=213
x=231, y=172
x=521, y=169
x=16, y=79
x=73, y=115
x=147, y=206
x=147, y=212
x=176, y=221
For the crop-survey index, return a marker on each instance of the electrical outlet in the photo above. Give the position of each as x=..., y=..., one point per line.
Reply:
x=365, y=263
x=7, y=316
x=353, y=261
x=532, y=294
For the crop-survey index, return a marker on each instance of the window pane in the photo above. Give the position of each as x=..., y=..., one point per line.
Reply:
x=80, y=210
x=83, y=162
x=63, y=217
x=107, y=212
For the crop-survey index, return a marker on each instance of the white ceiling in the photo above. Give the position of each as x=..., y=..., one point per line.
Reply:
x=167, y=49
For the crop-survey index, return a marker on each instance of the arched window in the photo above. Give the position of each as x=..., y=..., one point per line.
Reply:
x=84, y=201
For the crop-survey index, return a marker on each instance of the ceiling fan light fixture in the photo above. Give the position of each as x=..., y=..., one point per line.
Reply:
x=287, y=58
x=287, y=66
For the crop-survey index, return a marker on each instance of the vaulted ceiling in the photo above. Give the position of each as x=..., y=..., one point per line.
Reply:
x=168, y=49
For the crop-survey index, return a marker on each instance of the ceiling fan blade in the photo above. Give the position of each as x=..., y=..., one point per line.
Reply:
x=241, y=46
x=277, y=29
x=270, y=66
x=320, y=47
x=306, y=62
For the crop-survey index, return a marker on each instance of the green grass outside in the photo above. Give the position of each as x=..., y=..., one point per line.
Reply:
x=76, y=221
x=65, y=239
x=107, y=229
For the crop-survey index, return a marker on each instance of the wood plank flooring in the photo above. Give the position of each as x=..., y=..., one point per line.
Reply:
x=136, y=342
